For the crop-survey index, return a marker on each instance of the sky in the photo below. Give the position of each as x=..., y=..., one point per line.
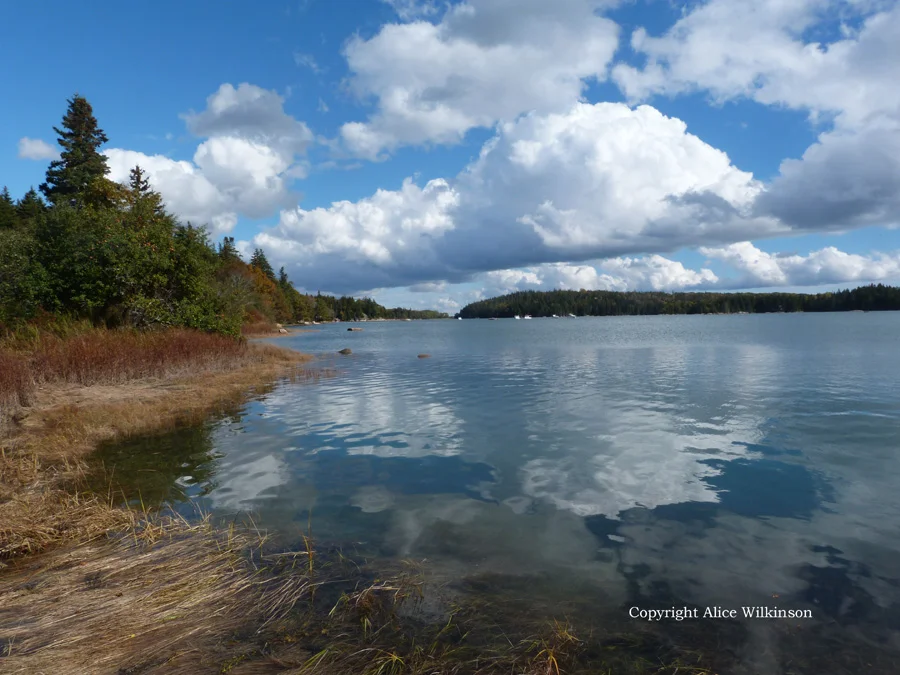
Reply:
x=429, y=154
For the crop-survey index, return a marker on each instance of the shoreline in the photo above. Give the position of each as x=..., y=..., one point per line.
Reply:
x=277, y=334
x=75, y=568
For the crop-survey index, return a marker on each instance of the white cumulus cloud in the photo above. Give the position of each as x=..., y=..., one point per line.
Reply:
x=187, y=192
x=252, y=153
x=366, y=244
x=600, y=180
x=746, y=266
x=596, y=181
x=35, y=148
x=846, y=179
x=764, y=51
x=646, y=273
x=485, y=61
x=826, y=266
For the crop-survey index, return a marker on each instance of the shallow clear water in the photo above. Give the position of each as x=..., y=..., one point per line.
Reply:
x=654, y=461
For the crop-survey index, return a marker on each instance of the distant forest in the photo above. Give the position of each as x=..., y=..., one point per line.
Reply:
x=613, y=303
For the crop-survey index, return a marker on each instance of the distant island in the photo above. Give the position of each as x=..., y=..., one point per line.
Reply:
x=874, y=297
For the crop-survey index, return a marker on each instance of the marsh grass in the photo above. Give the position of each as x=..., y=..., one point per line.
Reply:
x=89, y=587
x=259, y=328
x=81, y=355
x=162, y=594
x=16, y=384
x=88, y=386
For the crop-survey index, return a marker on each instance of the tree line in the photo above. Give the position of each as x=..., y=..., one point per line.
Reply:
x=87, y=247
x=875, y=297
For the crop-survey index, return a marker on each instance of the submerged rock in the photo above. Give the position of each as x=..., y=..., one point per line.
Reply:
x=424, y=356
x=354, y=329
x=345, y=351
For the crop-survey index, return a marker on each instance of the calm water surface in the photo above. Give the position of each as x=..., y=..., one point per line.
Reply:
x=618, y=462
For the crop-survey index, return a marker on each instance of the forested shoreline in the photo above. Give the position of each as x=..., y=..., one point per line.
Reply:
x=874, y=297
x=85, y=247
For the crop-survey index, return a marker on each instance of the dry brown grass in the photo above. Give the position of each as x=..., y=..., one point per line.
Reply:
x=41, y=455
x=16, y=384
x=91, y=588
x=94, y=356
x=162, y=598
x=259, y=329
x=103, y=356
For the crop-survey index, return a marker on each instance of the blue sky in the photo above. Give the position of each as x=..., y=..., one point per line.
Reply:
x=431, y=153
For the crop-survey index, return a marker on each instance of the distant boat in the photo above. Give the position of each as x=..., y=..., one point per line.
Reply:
x=555, y=317
x=527, y=316
x=492, y=318
x=459, y=318
x=517, y=317
x=571, y=316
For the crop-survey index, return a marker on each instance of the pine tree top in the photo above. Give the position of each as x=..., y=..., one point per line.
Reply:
x=142, y=194
x=228, y=251
x=8, y=215
x=260, y=262
x=30, y=206
x=138, y=180
x=80, y=161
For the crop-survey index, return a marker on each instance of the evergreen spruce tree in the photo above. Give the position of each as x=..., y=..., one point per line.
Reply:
x=138, y=181
x=283, y=280
x=80, y=161
x=260, y=262
x=8, y=215
x=30, y=206
x=142, y=194
x=228, y=251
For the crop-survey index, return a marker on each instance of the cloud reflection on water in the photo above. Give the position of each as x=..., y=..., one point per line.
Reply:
x=714, y=470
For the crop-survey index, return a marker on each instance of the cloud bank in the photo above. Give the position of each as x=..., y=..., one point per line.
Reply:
x=252, y=153
x=597, y=180
x=486, y=61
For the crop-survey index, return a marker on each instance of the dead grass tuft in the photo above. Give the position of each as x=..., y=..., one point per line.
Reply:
x=159, y=598
x=16, y=384
x=259, y=328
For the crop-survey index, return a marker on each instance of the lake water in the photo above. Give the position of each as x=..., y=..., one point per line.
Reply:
x=614, y=463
